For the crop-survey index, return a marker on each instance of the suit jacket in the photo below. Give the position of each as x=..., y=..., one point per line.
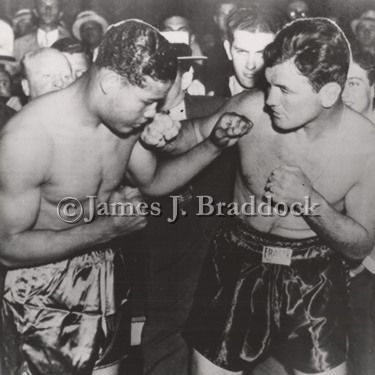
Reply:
x=29, y=43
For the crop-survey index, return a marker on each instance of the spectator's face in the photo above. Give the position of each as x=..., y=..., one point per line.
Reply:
x=91, y=33
x=358, y=93
x=48, y=72
x=298, y=9
x=141, y=103
x=78, y=62
x=5, y=84
x=365, y=33
x=177, y=23
x=220, y=17
x=246, y=52
x=23, y=25
x=291, y=97
x=48, y=12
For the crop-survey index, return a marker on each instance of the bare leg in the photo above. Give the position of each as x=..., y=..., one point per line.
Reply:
x=202, y=366
x=111, y=370
x=339, y=370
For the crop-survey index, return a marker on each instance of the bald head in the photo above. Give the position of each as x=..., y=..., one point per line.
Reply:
x=45, y=70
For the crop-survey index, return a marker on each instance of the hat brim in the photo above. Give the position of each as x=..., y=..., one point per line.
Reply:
x=355, y=23
x=78, y=23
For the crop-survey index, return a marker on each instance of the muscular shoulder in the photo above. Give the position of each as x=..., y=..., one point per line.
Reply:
x=358, y=134
x=248, y=103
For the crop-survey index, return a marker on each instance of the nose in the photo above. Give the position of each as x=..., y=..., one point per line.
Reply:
x=150, y=112
x=250, y=63
x=272, y=97
x=345, y=93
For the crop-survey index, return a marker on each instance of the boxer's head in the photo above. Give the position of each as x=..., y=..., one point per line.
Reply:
x=359, y=89
x=306, y=68
x=249, y=31
x=45, y=70
x=137, y=67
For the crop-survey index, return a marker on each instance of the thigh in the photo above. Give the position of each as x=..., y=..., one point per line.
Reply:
x=110, y=370
x=202, y=366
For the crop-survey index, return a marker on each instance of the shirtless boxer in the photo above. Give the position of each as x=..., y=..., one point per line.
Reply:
x=65, y=299
x=305, y=142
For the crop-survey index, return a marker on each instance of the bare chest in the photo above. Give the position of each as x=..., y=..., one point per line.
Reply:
x=82, y=167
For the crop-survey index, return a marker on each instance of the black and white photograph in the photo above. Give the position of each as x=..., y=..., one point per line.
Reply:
x=187, y=187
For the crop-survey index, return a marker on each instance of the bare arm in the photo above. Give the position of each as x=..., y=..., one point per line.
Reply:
x=161, y=177
x=24, y=167
x=352, y=234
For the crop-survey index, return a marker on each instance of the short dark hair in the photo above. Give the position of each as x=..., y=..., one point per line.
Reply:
x=366, y=60
x=253, y=19
x=173, y=12
x=134, y=49
x=318, y=47
x=68, y=45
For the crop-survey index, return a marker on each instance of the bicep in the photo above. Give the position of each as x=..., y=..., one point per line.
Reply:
x=22, y=169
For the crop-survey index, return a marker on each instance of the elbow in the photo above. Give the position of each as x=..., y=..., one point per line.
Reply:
x=360, y=251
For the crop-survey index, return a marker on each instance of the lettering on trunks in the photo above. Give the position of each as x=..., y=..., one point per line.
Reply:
x=277, y=255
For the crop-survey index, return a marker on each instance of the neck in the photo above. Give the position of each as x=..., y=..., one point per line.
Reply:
x=86, y=96
x=327, y=120
x=48, y=28
x=237, y=87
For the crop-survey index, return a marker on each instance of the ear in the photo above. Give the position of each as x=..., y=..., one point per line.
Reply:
x=109, y=82
x=227, y=49
x=61, y=15
x=215, y=19
x=329, y=94
x=25, y=87
x=187, y=79
x=372, y=91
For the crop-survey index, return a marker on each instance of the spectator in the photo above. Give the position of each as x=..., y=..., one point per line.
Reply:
x=24, y=22
x=176, y=21
x=359, y=94
x=364, y=30
x=89, y=28
x=359, y=89
x=5, y=86
x=218, y=63
x=49, y=14
x=79, y=57
x=249, y=31
x=298, y=9
x=44, y=71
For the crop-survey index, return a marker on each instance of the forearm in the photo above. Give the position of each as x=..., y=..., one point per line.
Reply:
x=340, y=232
x=38, y=247
x=174, y=173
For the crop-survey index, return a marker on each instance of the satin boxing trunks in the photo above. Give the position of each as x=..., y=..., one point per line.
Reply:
x=245, y=306
x=67, y=317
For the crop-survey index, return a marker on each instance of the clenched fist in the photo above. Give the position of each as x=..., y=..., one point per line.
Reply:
x=161, y=131
x=288, y=185
x=229, y=129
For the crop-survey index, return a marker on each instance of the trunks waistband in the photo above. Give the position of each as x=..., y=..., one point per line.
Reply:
x=247, y=237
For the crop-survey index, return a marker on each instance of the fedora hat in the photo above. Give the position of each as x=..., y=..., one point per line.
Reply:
x=366, y=17
x=86, y=16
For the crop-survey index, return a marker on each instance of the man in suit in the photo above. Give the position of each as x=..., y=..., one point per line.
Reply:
x=176, y=251
x=49, y=14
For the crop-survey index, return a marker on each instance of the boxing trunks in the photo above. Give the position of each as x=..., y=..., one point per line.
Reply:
x=259, y=291
x=69, y=317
